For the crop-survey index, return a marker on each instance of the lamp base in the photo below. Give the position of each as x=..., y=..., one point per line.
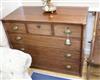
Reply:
x=49, y=8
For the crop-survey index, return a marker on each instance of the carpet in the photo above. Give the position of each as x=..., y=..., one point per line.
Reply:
x=39, y=76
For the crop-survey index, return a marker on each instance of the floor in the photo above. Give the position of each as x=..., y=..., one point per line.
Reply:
x=92, y=76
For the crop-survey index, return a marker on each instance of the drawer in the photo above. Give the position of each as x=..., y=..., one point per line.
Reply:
x=39, y=28
x=15, y=27
x=53, y=53
x=67, y=68
x=45, y=41
x=59, y=30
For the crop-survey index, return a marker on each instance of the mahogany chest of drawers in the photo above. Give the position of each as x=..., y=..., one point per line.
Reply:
x=55, y=41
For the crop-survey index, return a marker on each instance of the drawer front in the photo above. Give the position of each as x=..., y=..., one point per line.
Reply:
x=52, y=52
x=39, y=28
x=67, y=68
x=15, y=27
x=60, y=29
x=44, y=57
x=45, y=41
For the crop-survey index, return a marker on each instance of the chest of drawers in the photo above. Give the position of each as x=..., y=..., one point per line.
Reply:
x=55, y=41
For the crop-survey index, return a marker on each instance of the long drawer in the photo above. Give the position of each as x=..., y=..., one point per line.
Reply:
x=60, y=60
x=45, y=41
x=59, y=53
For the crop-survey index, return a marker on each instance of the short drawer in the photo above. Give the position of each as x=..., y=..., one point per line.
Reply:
x=39, y=28
x=45, y=41
x=15, y=27
x=59, y=30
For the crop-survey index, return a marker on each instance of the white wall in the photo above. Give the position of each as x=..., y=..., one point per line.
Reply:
x=6, y=7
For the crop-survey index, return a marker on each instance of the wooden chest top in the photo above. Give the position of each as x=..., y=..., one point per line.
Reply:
x=73, y=15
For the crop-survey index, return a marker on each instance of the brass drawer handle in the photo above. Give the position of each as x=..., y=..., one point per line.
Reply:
x=68, y=55
x=15, y=28
x=68, y=33
x=68, y=42
x=22, y=49
x=68, y=66
x=18, y=38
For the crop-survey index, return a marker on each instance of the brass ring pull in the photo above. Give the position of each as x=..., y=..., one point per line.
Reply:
x=22, y=49
x=67, y=31
x=68, y=66
x=68, y=42
x=18, y=38
x=68, y=55
x=15, y=28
